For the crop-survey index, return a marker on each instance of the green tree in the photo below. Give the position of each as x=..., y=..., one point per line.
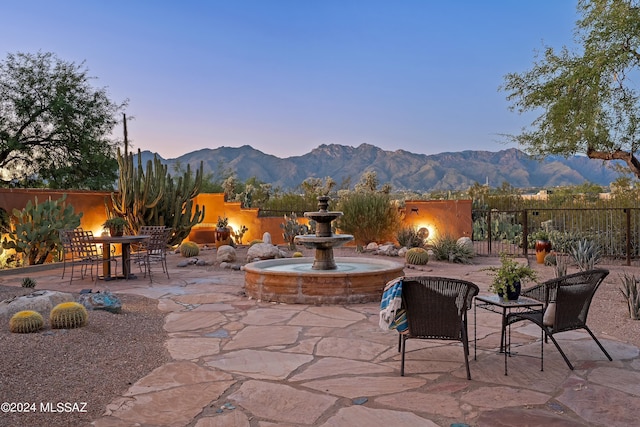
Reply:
x=587, y=97
x=54, y=126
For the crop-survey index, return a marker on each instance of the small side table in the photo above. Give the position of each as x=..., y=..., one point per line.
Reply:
x=497, y=304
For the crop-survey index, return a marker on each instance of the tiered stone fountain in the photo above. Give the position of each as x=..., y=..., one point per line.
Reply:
x=326, y=280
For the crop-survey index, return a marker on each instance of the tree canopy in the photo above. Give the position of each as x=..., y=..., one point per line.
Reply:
x=586, y=97
x=55, y=126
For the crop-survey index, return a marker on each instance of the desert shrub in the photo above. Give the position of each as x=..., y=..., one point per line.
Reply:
x=409, y=237
x=368, y=216
x=446, y=248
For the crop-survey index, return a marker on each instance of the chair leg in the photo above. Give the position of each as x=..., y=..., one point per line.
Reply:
x=399, y=343
x=564, y=356
x=465, y=348
x=403, y=342
x=598, y=342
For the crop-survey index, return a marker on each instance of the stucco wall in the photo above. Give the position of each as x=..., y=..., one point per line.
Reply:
x=440, y=217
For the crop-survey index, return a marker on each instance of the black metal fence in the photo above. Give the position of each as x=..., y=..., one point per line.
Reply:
x=616, y=230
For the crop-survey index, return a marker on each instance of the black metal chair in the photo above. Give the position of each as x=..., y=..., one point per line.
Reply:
x=566, y=305
x=436, y=308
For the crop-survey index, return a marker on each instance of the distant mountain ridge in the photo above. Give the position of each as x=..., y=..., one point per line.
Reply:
x=402, y=169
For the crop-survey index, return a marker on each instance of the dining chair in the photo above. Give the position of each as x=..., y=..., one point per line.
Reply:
x=67, y=251
x=436, y=309
x=139, y=250
x=566, y=306
x=155, y=250
x=85, y=253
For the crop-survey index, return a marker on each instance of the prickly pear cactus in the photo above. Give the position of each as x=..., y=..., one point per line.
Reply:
x=417, y=256
x=34, y=232
x=68, y=315
x=25, y=322
x=189, y=249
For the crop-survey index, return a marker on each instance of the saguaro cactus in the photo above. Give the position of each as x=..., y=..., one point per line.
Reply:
x=152, y=196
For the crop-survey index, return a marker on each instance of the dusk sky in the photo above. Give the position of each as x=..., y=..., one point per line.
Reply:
x=285, y=76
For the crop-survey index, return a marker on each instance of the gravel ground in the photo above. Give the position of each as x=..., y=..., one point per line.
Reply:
x=93, y=364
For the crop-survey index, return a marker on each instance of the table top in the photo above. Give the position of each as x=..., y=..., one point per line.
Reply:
x=120, y=239
x=500, y=302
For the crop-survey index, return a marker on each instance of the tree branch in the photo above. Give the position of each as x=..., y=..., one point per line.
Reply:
x=627, y=157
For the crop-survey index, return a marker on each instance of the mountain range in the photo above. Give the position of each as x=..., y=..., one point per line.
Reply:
x=402, y=169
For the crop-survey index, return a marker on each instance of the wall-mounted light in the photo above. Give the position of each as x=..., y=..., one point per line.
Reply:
x=414, y=210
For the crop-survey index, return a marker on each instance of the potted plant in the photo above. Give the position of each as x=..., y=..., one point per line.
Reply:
x=222, y=233
x=509, y=276
x=542, y=245
x=115, y=225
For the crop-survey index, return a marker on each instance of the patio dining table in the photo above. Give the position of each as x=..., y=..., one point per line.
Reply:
x=125, y=242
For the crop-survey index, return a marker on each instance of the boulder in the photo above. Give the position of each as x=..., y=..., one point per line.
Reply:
x=41, y=301
x=101, y=301
x=261, y=251
x=226, y=253
x=373, y=246
x=465, y=242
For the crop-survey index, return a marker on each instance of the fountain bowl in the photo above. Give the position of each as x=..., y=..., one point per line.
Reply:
x=293, y=281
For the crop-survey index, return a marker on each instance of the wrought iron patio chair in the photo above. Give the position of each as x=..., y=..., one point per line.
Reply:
x=67, y=251
x=139, y=250
x=566, y=305
x=85, y=253
x=436, y=308
x=155, y=250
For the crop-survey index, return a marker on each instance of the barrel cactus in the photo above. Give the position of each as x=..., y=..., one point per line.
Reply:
x=189, y=249
x=68, y=315
x=417, y=256
x=297, y=255
x=28, y=282
x=26, y=321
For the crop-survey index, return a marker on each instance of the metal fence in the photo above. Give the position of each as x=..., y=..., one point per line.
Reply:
x=616, y=230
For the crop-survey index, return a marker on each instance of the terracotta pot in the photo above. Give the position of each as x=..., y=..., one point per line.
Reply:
x=543, y=247
x=222, y=237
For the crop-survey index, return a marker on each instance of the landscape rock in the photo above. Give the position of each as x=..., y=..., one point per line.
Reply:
x=373, y=246
x=41, y=301
x=266, y=238
x=465, y=242
x=261, y=251
x=402, y=251
x=226, y=253
x=101, y=301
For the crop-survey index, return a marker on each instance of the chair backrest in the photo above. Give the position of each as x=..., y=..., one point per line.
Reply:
x=572, y=295
x=147, y=230
x=157, y=242
x=436, y=306
x=82, y=244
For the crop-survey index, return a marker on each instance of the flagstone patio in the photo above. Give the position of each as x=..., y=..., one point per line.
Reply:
x=242, y=362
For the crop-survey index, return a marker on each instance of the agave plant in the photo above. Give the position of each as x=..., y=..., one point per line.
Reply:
x=586, y=253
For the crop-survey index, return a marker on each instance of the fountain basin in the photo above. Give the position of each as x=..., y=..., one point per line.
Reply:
x=293, y=281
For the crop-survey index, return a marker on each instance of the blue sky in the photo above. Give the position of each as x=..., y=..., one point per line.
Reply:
x=285, y=76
